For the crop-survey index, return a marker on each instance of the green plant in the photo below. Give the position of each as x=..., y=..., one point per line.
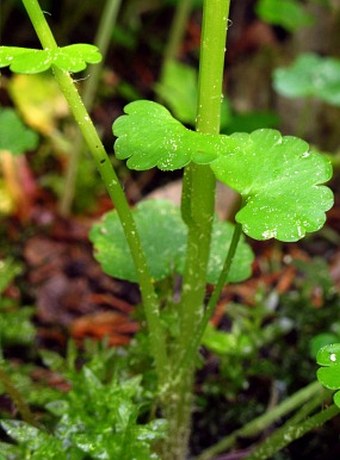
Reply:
x=280, y=183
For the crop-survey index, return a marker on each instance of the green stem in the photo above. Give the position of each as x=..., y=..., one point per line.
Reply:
x=17, y=398
x=291, y=432
x=110, y=179
x=102, y=41
x=264, y=421
x=201, y=178
x=198, y=211
x=197, y=336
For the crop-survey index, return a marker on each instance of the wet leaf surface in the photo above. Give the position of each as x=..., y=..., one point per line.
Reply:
x=71, y=58
x=279, y=180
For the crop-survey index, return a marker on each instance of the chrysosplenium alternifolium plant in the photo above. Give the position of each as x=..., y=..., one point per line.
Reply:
x=279, y=179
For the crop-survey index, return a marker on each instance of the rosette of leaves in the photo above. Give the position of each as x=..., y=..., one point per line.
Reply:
x=71, y=58
x=310, y=76
x=279, y=178
x=164, y=243
x=329, y=374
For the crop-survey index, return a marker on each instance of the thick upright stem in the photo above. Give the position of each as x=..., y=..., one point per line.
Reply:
x=198, y=212
x=201, y=179
x=110, y=179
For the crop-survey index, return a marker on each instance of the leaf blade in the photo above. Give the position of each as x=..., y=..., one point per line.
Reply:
x=280, y=182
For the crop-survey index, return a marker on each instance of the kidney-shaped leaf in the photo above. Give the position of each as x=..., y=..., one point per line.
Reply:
x=149, y=136
x=163, y=236
x=310, y=76
x=329, y=375
x=278, y=179
x=72, y=58
x=15, y=137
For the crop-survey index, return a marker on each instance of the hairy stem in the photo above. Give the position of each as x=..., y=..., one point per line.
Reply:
x=198, y=212
x=198, y=334
x=110, y=179
x=201, y=179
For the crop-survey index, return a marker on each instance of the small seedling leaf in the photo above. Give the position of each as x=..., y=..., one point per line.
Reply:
x=289, y=14
x=15, y=137
x=329, y=355
x=278, y=179
x=309, y=76
x=72, y=58
x=163, y=235
x=149, y=136
x=329, y=375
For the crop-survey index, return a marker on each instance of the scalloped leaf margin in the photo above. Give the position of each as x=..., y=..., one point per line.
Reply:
x=280, y=183
x=149, y=136
x=71, y=58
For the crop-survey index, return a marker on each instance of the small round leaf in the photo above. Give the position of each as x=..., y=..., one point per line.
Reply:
x=329, y=355
x=329, y=375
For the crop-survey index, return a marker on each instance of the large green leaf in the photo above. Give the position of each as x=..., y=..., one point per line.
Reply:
x=15, y=137
x=163, y=235
x=72, y=58
x=310, y=76
x=289, y=14
x=149, y=136
x=278, y=179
